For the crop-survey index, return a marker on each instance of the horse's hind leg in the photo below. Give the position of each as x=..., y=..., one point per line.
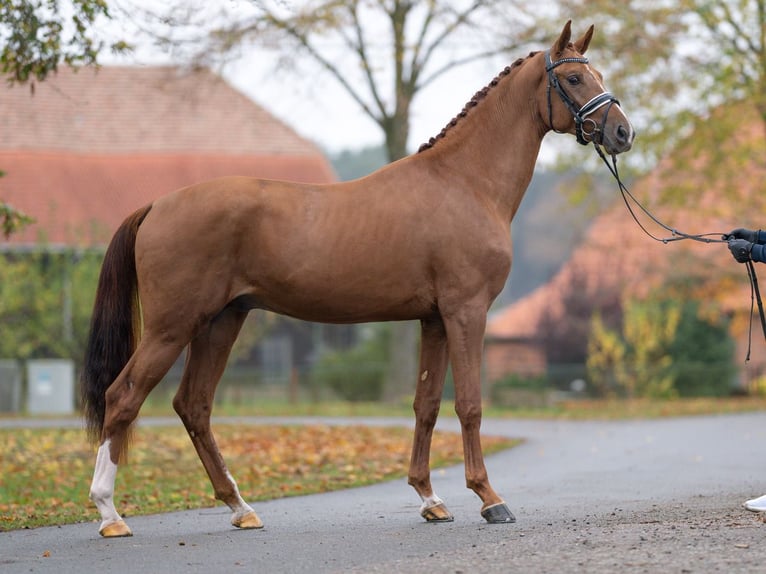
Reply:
x=433, y=368
x=207, y=357
x=151, y=360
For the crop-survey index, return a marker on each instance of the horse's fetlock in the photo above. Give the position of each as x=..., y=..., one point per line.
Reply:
x=226, y=494
x=97, y=494
x=478, y=482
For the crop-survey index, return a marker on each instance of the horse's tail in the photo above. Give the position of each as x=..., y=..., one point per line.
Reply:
x=114, y=326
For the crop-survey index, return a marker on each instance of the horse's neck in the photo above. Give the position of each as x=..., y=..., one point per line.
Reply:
x=495, y=146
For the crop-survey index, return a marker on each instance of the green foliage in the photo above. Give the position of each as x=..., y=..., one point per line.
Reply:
x=35, y=36
x=356, y=374
x=649, y=329
x=45, y=304
x=606, y=358
x=703, y=355
x=12, y=220
x=666, y=348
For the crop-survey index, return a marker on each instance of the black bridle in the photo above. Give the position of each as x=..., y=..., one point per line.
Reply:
x=580, y=113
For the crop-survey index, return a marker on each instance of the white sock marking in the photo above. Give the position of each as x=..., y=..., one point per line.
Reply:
x=240, y=508
x=102, y=487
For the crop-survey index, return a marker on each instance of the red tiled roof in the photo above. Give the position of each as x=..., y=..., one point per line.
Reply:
x=141, y=110
x=88, y=148
x=81, y=199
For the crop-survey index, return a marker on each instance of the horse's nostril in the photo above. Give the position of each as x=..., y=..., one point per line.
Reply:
x=622, y=133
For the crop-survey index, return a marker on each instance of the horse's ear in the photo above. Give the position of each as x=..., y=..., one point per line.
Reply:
x=582, y=44
x=561, y=44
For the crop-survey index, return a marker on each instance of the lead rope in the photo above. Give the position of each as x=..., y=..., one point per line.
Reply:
x=755, y=294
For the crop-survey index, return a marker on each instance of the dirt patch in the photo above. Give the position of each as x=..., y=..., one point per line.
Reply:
x=703, y=536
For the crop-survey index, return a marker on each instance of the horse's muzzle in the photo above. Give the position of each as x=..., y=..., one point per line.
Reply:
x=618, y=134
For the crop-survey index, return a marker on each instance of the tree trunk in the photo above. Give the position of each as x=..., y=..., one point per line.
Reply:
x=403, y=350
x=402, y=362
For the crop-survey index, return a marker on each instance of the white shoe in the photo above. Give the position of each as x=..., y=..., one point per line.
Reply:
x=756, y=504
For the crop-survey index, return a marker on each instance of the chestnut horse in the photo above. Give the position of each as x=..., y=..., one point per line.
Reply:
x=425, y=238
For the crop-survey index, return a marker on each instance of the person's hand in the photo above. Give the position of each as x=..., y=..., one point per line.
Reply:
x=740, y=249
x=748, y=235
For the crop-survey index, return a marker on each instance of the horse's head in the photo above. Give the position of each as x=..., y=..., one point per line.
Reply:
x=573, y=99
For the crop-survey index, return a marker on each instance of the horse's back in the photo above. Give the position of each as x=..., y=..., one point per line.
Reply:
x=392, y=245
x=323, y=252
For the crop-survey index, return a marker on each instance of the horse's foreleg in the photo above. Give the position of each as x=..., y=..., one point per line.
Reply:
x=124, y=398
x=193, y=402
x=433, y=367
x=465, y=332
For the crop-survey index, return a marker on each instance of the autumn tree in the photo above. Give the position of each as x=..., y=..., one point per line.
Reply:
x=636, y=361
x=46, y=300
x=605, y=358
x=565, y=337
x=665, y=347
x=382, y=53
x=36, y=36
x=676, y=61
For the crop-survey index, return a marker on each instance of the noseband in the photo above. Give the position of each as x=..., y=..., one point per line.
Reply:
x=580, y=114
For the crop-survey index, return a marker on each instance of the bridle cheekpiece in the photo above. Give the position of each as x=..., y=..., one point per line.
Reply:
x=580, y=114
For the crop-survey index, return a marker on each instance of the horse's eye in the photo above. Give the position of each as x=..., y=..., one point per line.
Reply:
x=573, y=80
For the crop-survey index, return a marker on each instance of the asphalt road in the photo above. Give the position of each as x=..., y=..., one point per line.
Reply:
x=592, y=497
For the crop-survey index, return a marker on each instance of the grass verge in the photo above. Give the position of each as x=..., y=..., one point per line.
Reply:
x=46, y=472
x=581, y=409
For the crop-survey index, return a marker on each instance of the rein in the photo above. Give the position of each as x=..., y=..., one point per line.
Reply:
x=676, y=235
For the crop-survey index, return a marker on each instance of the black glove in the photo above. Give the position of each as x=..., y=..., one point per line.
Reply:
x=740, y=248
x=741, y=233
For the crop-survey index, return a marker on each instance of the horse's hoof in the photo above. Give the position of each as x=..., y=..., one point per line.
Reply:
x=248, y=520
x=437, y=513
x=115, y=530
x=498, y=514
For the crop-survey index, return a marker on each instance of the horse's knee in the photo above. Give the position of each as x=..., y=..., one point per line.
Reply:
x=477, y=482
x=469, y=413
x=426, y=414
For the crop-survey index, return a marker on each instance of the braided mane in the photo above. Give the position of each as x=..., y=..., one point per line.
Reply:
x=473, y=102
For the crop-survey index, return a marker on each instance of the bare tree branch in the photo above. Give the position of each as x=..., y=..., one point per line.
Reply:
x=329, y=66
x=456, y=63
x=367, y=65
x=461, y=19
x=415, y=67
